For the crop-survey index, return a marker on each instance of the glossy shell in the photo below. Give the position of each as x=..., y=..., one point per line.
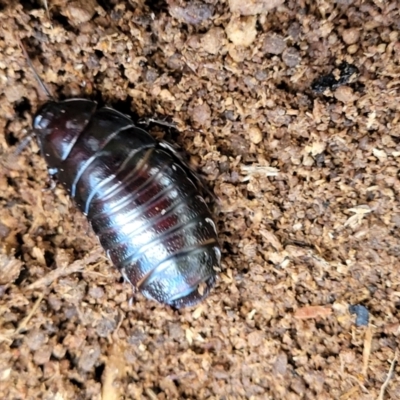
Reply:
x=141, y=200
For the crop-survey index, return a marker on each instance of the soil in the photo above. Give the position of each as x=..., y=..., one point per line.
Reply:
x=289, y=110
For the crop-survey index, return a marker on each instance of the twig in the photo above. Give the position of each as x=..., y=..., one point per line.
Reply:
x=114, y=371
x=389, y=376
x=76, y=266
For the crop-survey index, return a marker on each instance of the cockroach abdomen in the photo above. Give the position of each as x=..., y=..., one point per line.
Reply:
x=141, y=200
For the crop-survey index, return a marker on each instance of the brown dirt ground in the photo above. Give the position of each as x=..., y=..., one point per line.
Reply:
x=308, y=214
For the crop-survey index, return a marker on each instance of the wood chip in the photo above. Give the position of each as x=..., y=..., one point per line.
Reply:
x=309, y=312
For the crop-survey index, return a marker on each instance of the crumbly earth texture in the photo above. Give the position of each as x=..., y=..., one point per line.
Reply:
x=304, y=164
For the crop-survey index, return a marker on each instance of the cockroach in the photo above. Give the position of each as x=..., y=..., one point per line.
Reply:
x=143, y=202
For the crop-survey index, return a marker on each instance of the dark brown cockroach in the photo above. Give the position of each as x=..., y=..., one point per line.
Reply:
x=140, y=198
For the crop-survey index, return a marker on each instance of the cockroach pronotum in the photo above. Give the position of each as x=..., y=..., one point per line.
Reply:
x=143, y=202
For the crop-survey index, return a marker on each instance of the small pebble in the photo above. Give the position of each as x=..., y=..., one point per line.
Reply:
x=4, y=230
x=59, y=351
x=96, y=292
x=175, y=331
x=175, y=62
x=242, y=31
x=10, y=268
x=106, y=326
x=202, y=114
x=14, y=93
x=253, y=7
x=255, y=338
x=344, y=94
x=352, y=49
x=274, y=44
x=351, y=36
x=362, y=314
x=294, y=30
x=291, y=57
x=150, y=75
x=79, y=12
x=213, y=40
x=230, y=115
x=42, y=355
x=261, y=75
x=195, y=12
x=255, y=135
x=50, y=369
x=279, y=367
x=88, y=358
x=35, y=339
x=54, y=301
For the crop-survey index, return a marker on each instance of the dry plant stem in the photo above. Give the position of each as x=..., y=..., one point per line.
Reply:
x=76, y=266
x=390, y=373
x=114, y=334
x=25, y=321
x=357, y=381
x=367, y=348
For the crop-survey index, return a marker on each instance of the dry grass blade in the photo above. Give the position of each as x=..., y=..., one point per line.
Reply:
x=10, y=335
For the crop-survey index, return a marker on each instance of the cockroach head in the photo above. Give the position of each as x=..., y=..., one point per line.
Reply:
x=44, y=116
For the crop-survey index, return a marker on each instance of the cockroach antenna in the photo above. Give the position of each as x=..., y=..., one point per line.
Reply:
x=23, y=144
x=46, y=8
x=41, y=84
